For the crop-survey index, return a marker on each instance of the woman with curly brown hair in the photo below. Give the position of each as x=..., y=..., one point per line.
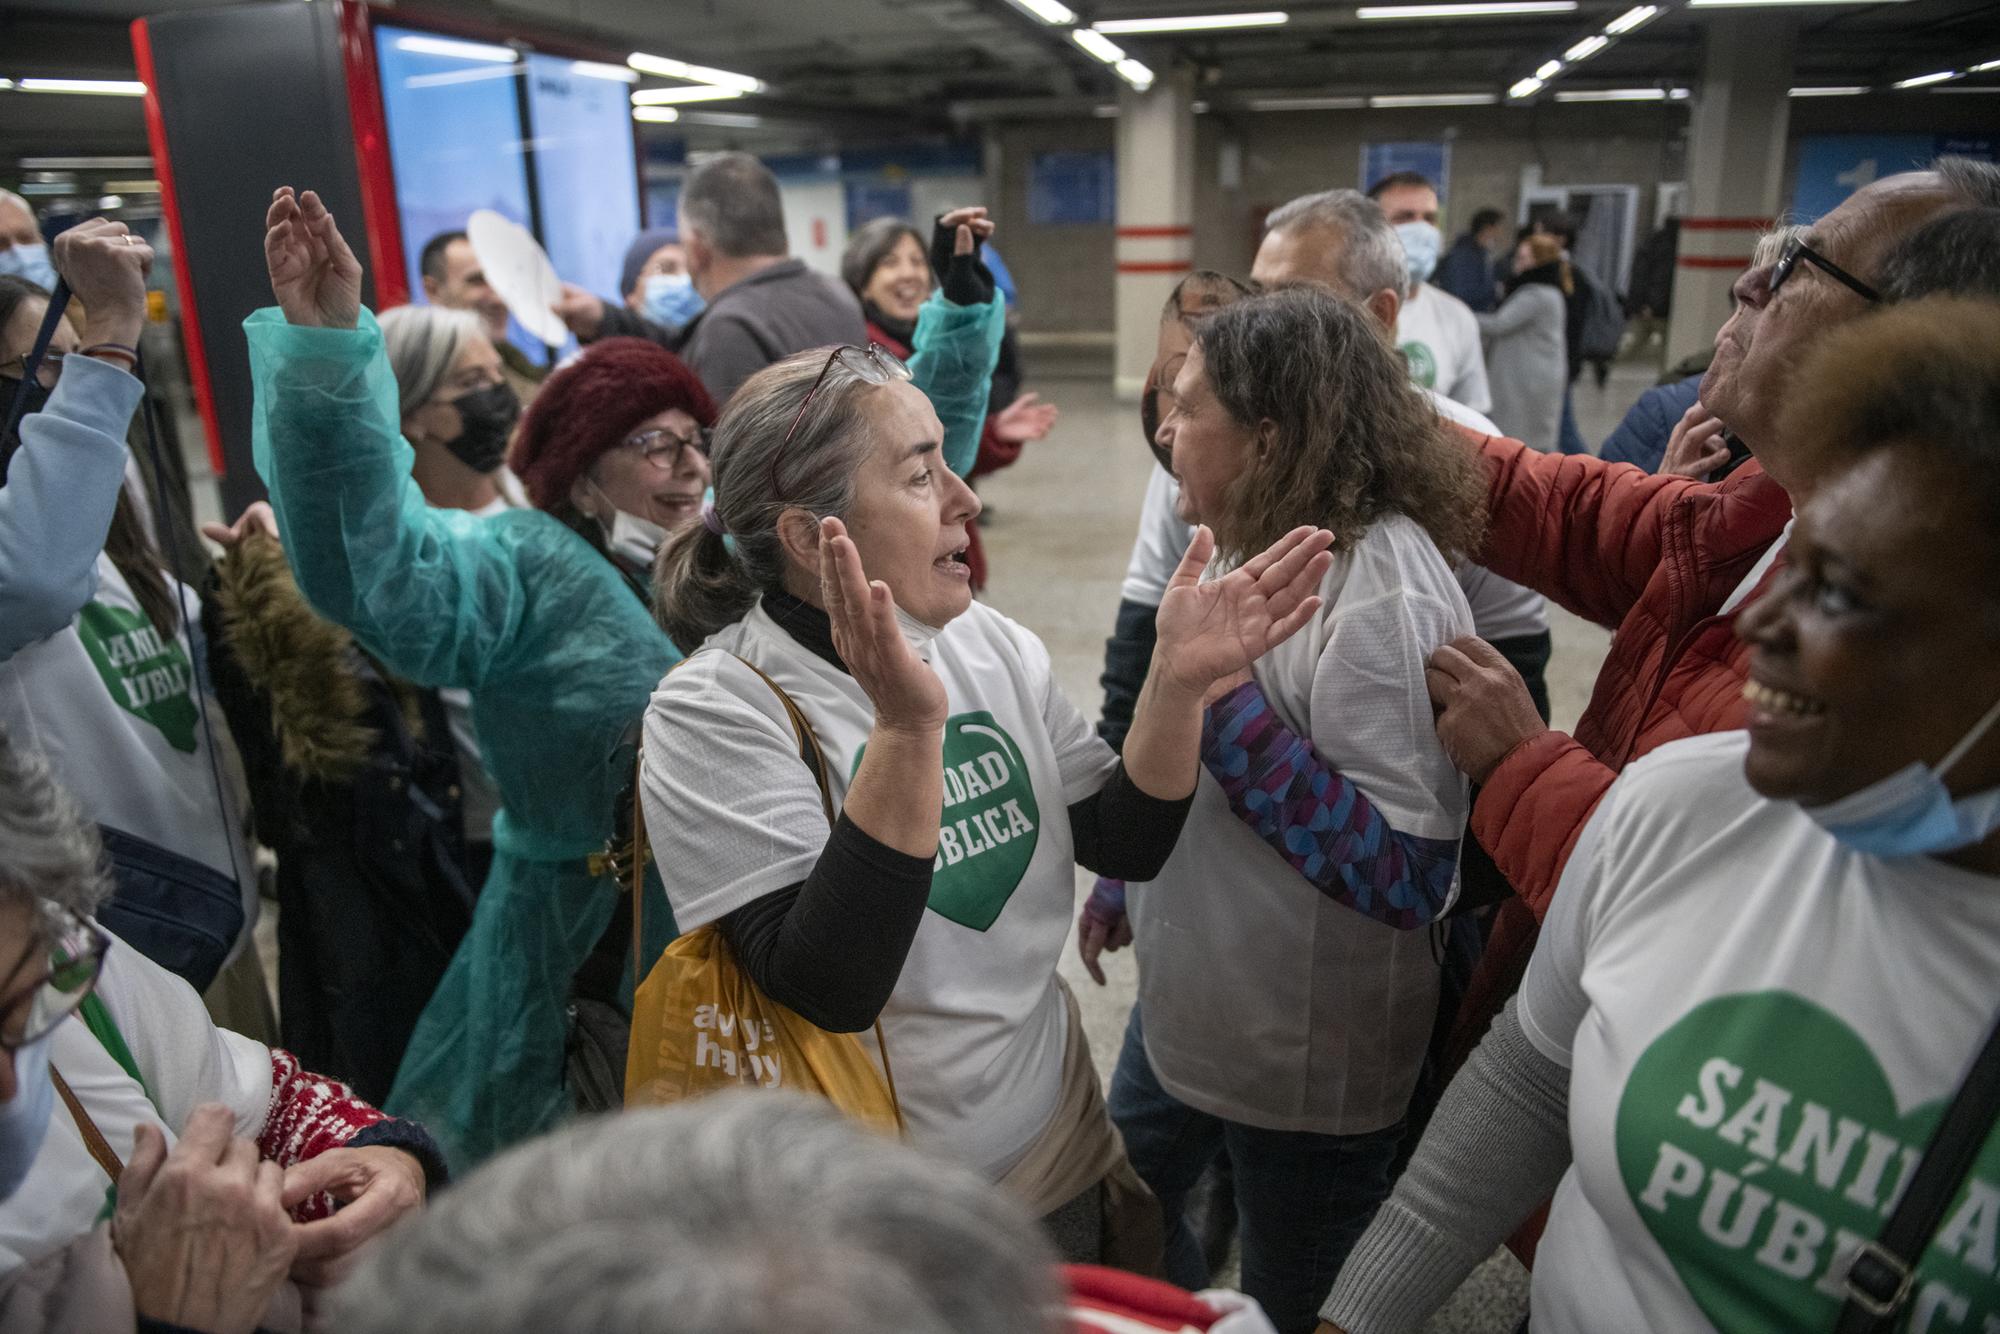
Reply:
x=1284, y=1025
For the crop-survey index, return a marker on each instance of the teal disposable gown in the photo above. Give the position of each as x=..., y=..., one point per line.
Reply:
x=560, y=656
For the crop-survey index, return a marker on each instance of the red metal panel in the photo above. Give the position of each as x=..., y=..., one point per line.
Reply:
x=373, y=168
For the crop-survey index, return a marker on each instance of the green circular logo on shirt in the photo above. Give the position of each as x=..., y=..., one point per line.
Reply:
x=991, y=822
x=1761, y=1144
x=1423, y=364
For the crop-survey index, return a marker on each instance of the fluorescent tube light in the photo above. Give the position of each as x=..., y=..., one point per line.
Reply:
x=1841, y=90
x=1549, y=69
x=1525, y=88
x=88, y=162
x=1474, y=10
x=6, y=84
x=132, y=187
x=457, y=50
x=656, y=115
x=1307, y=103
x=1614, y=95
x=661, y=97
x=1630, y=19
x=727, y=120
x=1048, y=11
x=1433, y=100
x=1986, y=68
x=1134, y=73
x=1268, y=18
x=668, y=68
x=91, y=87
x=1765, y=4
x=1586, y=48
x=596, y=69
x=1924, y=80
x=1100, y=46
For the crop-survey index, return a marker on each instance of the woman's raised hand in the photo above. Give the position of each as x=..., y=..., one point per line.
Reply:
x=1211, y=631
x=314, y=276
x=907, y=694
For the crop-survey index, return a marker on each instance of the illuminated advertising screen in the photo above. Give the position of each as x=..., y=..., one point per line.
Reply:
x=454, y=136
x=585, y=167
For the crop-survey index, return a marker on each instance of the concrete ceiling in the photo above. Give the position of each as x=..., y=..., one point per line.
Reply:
x=876, y=69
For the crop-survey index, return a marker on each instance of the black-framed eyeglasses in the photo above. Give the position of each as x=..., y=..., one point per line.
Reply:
x=76, y=958
x=662, y=445
x=1795, y=250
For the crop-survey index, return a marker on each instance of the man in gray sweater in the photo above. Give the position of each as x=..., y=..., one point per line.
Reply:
x=763, y=305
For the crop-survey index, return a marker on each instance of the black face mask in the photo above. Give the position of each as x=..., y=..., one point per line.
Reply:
x=486, y=418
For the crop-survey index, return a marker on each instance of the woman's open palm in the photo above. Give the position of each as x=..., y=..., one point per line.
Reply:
x=314, y=275
x=1214, y=629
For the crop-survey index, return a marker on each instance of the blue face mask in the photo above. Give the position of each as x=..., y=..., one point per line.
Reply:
x=1910, y=813
x=1422, y=243
x=30, y=262
x=24, y=1118
x=670, y=299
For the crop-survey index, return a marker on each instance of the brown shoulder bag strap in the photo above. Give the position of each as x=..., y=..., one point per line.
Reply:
x=93, y=1138
x=815, y=758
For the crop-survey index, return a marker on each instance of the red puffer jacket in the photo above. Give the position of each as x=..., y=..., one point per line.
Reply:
x=1654, y=558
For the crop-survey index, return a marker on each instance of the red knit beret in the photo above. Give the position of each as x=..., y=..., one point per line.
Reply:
x=592, y=404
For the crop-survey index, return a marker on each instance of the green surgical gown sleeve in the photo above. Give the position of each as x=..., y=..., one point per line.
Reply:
x=421, y=588
x=952, y=357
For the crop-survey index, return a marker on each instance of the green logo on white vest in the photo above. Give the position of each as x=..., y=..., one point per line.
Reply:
x=147, y=673
x=1761, y=1144
x=991, y=822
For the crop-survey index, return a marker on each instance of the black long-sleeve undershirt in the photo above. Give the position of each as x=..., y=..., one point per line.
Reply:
x=832, y=946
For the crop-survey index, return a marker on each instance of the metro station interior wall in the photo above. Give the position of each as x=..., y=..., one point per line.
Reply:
x=1064, y=273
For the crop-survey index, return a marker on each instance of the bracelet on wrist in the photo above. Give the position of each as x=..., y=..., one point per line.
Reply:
x=129, y=354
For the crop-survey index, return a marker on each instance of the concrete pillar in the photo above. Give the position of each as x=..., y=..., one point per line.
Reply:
x=1155, y=216
x=1736, y=165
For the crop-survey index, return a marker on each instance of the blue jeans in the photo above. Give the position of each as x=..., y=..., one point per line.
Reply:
x=1303, y=1199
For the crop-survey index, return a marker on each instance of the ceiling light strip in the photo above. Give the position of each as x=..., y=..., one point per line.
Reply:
x=1476, y=9
x=1268, y=18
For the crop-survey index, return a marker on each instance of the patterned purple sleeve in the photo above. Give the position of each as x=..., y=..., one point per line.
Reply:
x=1319, y=821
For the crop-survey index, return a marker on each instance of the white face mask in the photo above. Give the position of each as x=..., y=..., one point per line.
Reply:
x=633, y=541
x=916, y=633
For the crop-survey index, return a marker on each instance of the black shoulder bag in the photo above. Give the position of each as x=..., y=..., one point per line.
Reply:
x=1883, y=1273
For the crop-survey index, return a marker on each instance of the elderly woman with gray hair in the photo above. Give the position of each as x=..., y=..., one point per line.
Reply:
x=886, y=265
x=963, y=787
x=745, y=1213
x=458, y=409
x=157, y=1172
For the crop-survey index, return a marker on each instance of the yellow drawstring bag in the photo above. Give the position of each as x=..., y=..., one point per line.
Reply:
x=700, y=1025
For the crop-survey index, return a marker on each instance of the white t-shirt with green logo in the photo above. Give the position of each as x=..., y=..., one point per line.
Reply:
x=975, y=1026
x=1762, y=1028
x=111, y=702
x=1439, y=337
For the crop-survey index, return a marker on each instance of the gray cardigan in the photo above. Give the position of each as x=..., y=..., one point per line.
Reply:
x=1527, y=363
